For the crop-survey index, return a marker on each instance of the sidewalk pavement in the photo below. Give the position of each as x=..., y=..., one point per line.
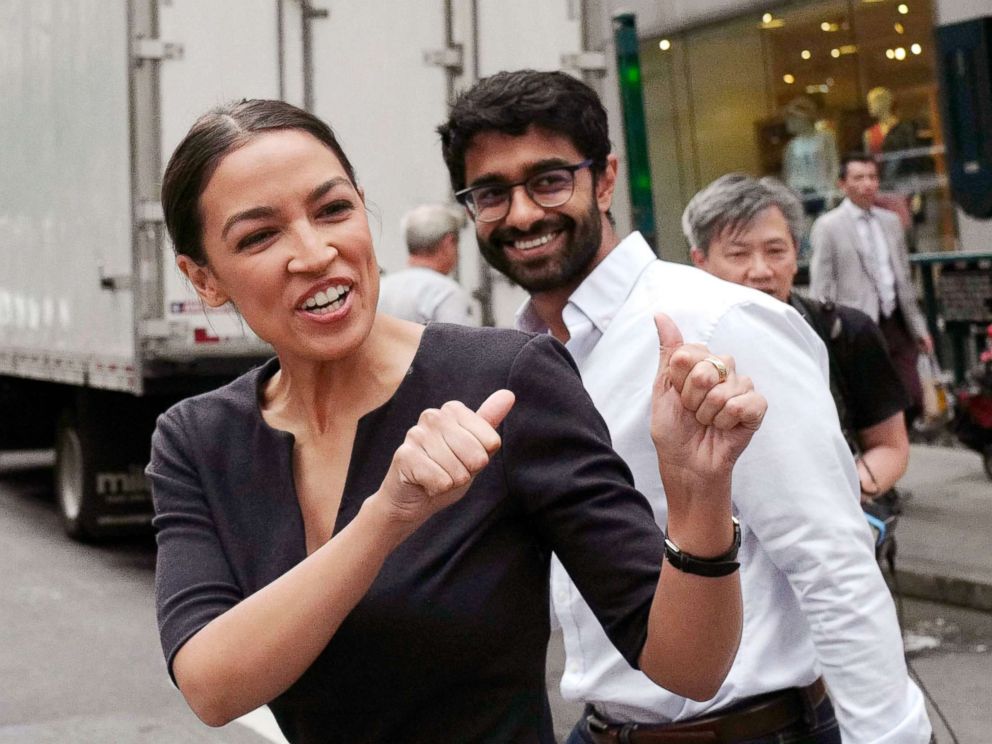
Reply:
x=944, y=536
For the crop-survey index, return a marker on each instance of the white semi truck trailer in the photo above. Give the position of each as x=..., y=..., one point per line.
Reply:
x=98, y=331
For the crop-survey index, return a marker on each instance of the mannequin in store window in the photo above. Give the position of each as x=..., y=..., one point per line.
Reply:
x=809, y=164
x=891, y=134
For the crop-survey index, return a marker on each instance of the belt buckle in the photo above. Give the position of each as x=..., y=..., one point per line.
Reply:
x=597, y=724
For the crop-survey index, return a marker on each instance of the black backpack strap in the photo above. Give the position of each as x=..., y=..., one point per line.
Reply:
x=829, y=326
x=883, y=511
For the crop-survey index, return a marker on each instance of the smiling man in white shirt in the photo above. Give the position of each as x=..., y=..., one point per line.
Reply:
x=529, y=157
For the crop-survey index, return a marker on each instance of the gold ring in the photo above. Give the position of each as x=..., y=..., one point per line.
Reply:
x=720, y=367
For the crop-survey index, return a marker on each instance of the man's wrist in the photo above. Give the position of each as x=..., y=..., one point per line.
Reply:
x=723, y=564
x=705, y=533
x=699, y=512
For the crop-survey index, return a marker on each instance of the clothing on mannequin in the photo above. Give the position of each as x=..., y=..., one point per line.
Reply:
x=891, y=134
x=810, y=163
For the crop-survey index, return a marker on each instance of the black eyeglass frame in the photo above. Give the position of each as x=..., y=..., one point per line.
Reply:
x=464, y=196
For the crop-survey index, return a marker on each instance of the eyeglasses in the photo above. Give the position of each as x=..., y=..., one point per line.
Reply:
x=490, y=202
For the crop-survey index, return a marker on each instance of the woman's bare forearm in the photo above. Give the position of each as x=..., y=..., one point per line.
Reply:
x=257, y=649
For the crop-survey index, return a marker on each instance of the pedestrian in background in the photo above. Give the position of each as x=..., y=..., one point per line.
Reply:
x=358, y=532
x=423, y=292
x=860, y=260
x=529, y=156
x=747, y=231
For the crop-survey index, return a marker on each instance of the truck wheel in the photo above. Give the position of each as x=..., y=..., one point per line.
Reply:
x=73, y=480
x=101, y=451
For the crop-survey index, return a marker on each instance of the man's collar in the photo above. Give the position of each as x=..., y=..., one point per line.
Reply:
x=854, y=209
x=604, y=291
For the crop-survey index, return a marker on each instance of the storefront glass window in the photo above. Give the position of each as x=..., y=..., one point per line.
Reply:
x=786, y=93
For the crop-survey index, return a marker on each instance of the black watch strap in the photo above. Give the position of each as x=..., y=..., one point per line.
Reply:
x=721, y=565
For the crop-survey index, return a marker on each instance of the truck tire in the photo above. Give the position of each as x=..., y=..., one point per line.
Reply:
x=101, y=450
x=74, y=479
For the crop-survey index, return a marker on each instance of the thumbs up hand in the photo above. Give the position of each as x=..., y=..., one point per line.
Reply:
x=703, y=414
x=440, y=457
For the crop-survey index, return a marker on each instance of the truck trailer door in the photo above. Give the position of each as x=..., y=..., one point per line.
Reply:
x=380, y=80
x=221, y=50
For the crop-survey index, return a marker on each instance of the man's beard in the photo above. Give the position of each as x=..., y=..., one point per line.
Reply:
x=582, y=241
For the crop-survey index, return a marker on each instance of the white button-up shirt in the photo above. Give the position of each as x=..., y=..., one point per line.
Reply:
x=423, y=295
x=873, y=238
x=814, y=599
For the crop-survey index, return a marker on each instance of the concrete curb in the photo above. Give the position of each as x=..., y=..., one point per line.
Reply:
x=952, y=590
x=943, y=533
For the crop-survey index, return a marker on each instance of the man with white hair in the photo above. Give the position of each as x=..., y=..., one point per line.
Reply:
x=423, y=292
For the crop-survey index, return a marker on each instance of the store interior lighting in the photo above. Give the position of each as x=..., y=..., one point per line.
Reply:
x=837, y=52
x=900, y=54
x=770, y=21
x=831, y=51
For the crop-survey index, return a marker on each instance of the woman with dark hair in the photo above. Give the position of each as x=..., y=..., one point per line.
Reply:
x=358, y=532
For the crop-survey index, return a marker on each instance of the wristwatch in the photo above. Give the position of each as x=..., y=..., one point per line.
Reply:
x=721, y=565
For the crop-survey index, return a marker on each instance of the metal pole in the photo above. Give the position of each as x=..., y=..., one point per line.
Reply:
x=281, y=48
x=309, y=14
x=484, y=294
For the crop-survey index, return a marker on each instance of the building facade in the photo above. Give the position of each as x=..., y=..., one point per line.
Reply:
x=786, y=89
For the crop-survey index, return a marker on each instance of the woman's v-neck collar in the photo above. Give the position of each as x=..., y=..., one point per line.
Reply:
x=265, y=372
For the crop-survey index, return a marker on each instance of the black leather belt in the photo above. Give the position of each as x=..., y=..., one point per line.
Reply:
x=756, y=717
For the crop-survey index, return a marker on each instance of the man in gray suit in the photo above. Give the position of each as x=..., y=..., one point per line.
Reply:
x=860, y=259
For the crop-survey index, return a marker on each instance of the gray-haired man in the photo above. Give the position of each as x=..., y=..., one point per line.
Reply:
x=423, y=292
x=746, y=230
